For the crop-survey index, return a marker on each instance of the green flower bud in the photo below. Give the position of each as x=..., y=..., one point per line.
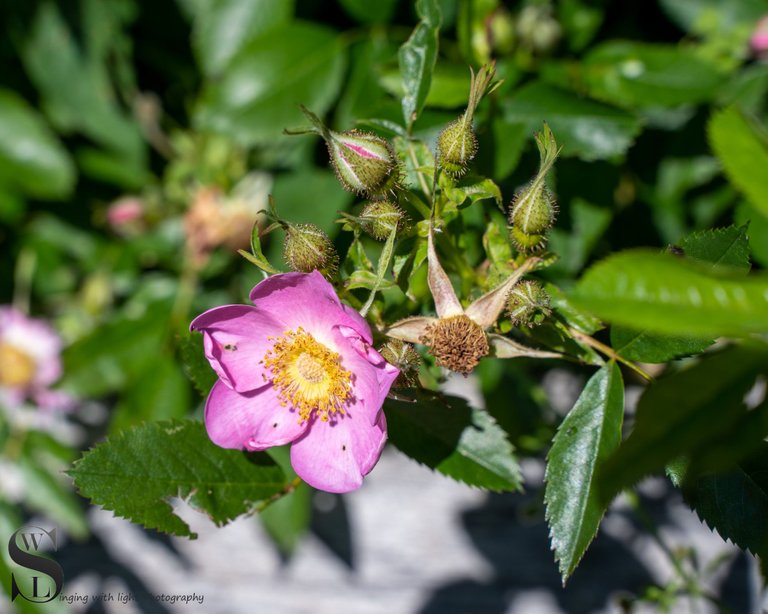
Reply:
x=456, y=146
x=533, y=209
x=528, y=304
x=379, y=217
x=405, y=357
x=457, y=143
x=363, y=162
x=308, y=248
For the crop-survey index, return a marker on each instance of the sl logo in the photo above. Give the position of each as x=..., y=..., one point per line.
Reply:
x=24, y=554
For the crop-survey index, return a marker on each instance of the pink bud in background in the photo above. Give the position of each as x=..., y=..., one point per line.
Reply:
x=759, y=40
x=125, y=214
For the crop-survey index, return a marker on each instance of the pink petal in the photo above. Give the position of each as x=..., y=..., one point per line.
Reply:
x=372, y=376
x=334, y=456
x=254, y=420
x=306, y=300
x=236, y=341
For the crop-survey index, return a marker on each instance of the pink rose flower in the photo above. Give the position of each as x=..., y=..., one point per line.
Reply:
x=29, y=361
x=298, y=367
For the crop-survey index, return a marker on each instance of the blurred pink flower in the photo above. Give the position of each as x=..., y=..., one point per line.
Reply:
x=759, y=40
x=298, y=368
x=29, y=361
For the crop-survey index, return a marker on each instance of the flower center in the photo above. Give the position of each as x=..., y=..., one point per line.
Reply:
x=17, y=368
x=308, y=376
x=457, y=343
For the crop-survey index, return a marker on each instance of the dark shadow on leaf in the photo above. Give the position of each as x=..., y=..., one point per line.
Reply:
x=442, y=418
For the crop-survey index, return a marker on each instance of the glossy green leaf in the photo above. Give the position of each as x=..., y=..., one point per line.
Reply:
x=444, y=433
x=684, y=414
x=630, y=73
x=417, y=57
x=135, y=472
x=587, y=436
x=258, y=93
x=587, y=129
x=721, y=246
x=667, y=294
x=31, y=157
x=743, y=151
x=223, y=27
x=159, y=392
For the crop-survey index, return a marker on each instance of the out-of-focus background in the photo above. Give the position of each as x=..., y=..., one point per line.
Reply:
x=138, y=142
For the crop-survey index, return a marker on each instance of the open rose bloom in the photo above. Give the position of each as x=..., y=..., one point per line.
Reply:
x=298, y=367
x=29, y=361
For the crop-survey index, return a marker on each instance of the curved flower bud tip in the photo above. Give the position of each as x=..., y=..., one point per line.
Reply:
x=457, y=143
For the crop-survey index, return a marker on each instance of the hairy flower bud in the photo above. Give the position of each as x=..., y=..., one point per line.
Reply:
x=364, y=163
x=534, y=209
x=308, y=248
x=528, y=304
x=457, y=143
x=405, y=357
x=379, y=217
x=456, y=146
x=533, y=212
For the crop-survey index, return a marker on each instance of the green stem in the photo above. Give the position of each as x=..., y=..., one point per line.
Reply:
x=608, y=351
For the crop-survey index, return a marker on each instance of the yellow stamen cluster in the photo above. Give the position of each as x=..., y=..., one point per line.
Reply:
x=308, y=376
x=17, y=368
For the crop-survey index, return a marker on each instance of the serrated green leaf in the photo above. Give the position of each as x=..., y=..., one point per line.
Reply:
x=758, y=231
x=585, y=128
x=196, y=365
x=734, y=503
x=683, y=414
x=135, y=472
x=667, y=294
x=720, y=247
x=417, y=57
x=32, y=159
x=631, y=73
x=743, y=154
x=587, y=436
x=257, y=95
x=445, y=433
